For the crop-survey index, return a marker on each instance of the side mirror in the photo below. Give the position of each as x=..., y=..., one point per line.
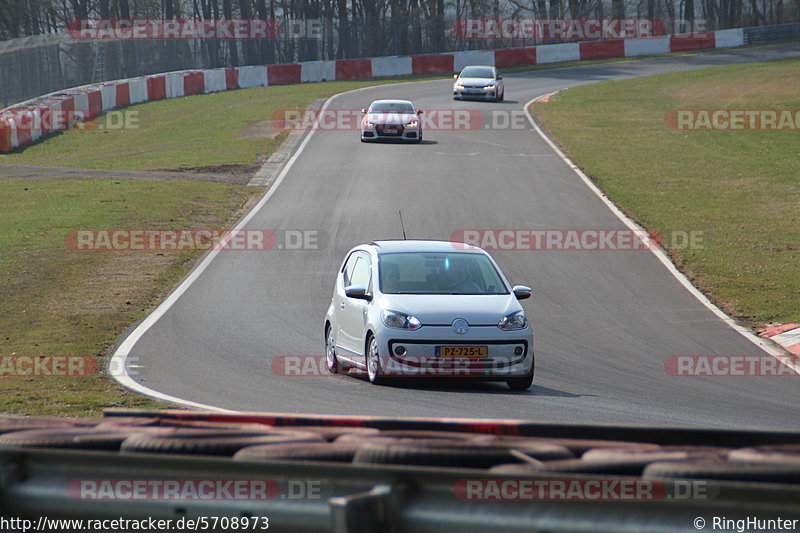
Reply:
x=364, y=110
x=420, y=111
x=521, y=292
x=499, y=77
x=358, y=292
x=455, y=76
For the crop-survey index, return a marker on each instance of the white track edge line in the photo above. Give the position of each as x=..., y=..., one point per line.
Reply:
x=657, y=251
x=119, y=358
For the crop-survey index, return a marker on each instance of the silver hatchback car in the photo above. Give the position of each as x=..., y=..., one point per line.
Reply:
x=428, y=309
x=479, y=81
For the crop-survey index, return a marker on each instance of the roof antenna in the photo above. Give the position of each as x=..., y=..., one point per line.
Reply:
x=401, y=224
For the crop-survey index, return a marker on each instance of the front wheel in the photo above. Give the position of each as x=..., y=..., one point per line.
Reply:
x=503, y=95
x=331, y=361
x=374, y=372
x=520, y=384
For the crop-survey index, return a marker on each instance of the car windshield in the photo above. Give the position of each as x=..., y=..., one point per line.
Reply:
x=391, y=107
x=477, y=72
x=438, y=273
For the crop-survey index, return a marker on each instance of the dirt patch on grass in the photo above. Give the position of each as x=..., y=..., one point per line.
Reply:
x=231, y=173
x=119, y=281
x=260, y=129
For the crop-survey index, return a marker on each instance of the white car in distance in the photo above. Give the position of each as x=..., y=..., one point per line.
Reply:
x=397, y=120
x=480, y=82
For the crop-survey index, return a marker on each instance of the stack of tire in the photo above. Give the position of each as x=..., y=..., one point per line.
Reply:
x=503, y=455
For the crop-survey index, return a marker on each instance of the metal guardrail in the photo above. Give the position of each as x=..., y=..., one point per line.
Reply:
x=359, y=498
x=386, y=498
x=663, y=435
x=772, y=34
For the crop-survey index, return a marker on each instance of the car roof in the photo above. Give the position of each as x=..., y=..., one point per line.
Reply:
x=392, y=102
x=393, y=246
x=478, y=66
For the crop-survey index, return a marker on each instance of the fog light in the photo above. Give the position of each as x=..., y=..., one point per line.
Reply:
x=400, y=350
x=518, y=350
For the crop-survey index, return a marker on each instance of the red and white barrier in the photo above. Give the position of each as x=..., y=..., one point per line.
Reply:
x=432, y=64
x=350, y=69
x=109, y=96
x=286, y=74
x=313, y=71
x=728, y=38
x=685, y=43
x=137, y=88
x=475, y=57
x=214, y=81
x=603, y=49
x=174, y=84
x=647, y=47
x=252, y=77
x=514, y=57
x=391, y=66
x=26, y=122
x=554, y=53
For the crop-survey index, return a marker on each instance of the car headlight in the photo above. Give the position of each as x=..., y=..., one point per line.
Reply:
x=370, y=124
x=413, y=124
x=513, y=321
x=489, y=86
x=458, y=87
x=397, y=320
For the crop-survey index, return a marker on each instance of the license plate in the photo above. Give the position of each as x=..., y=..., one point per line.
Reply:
x=390, y=130
x=462, y=351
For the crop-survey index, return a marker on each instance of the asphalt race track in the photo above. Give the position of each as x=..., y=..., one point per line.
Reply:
x=604, y=321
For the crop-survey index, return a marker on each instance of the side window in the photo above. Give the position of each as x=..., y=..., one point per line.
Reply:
x=347, y=271
x=361, y=273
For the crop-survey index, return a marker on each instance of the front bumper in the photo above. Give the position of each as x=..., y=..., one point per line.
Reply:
x=401, y=133
x=414, y=353
x=478, y=94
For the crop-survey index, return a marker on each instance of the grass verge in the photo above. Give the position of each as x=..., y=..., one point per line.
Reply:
x=56, y=301
x=204, y=132
x=739, y=188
